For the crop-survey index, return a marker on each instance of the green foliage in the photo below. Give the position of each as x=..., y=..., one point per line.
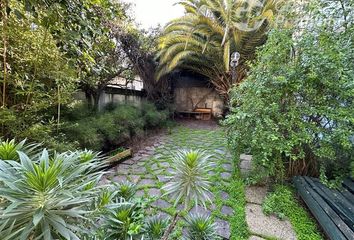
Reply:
x=152, y=116
x=189, y=177
x=282, y=202
x=238, y=222
x=126, y=190
x=7, y=232
x=123, y=220
x=200, y=227
x=49, y=196
x=294, y=112
x=9, y=148
x=210, y=31
x=107, y=129
x=51, y=47
x=155, y=227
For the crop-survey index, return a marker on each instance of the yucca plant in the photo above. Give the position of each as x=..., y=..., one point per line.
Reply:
x=155, y=227
x=9, y=148
x=200, y=227
x=48, y=196
x=189, y=181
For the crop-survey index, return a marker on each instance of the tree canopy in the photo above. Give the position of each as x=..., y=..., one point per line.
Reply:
x=211, y=30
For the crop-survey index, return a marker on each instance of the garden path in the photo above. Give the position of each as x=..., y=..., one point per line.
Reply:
x=260, y=225
x=150, y=168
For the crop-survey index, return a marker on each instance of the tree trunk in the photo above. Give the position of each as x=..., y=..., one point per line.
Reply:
x=4, y=39
x=96, y=100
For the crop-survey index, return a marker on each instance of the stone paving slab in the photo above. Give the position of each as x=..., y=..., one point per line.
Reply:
x=246, y=157
x=269, y=226
x=150, y=168
x=227, y=211
x=223, y=228
x=255, y=194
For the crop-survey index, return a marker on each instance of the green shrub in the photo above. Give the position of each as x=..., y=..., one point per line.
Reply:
x=130, y=118
x=294, y=114
x=152, y=116
x=77, y=111
x=84, y=132
x=282, y=203
x=115, y=125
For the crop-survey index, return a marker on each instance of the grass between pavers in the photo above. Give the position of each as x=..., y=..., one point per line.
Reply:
x=214, y=143
x=237, y=200
x=283, y=203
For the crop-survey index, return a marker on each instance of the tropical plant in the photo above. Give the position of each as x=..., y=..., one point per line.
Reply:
x=200, y=227
x=123, y=220
x=189, y=181
x=49, y=196
x=126, y=190
x=9, y=148
x=205, y=37
x=155, y=227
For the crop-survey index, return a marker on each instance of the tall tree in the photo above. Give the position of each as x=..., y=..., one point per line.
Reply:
x=205, y=37
x=142, y=56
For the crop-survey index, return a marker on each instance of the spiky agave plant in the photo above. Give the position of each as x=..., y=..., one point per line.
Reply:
x=200, y=227
x=189, y=181
x=155, y=227
x=47, y=196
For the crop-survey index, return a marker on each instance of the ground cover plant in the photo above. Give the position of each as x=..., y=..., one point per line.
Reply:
x=282, y=203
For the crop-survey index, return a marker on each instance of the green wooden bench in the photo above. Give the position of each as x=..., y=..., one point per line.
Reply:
x=332, y=208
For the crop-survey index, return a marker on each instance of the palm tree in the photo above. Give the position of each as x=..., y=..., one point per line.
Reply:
x=204, y=38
